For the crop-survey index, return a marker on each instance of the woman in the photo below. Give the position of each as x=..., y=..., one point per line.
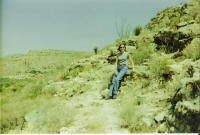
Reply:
x=121, y=64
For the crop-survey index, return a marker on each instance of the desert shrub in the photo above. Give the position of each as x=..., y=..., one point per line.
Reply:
x=60, y=67
x=34, y=89
x=158, y=66
x=72, y=73
x=192, y=51
x=95, y=49
x=13, y=84
x=35, y=72
x=142, y=53
x=5, y=82
x=131, y=114
x=12, y=115
x=13, y=110
x=51, y=90
x=51, y=121
x=63, y=76
x=123, y=29
x=137, y=30
x=112, y=53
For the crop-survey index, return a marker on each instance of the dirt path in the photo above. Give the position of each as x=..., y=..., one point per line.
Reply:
x=95, y=115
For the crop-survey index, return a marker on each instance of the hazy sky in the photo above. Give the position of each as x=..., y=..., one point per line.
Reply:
x=76, y=25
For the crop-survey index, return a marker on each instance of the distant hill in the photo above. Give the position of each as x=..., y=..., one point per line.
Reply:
x=40, y=61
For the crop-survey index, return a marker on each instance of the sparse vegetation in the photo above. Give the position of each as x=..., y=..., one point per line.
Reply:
x=123, y=29
x=137, y=30
x=158, y=66
x=46, y=91
x=141, y=54
x=192, y=51
x=95, y=49
x=20, y=95
x=49, y=120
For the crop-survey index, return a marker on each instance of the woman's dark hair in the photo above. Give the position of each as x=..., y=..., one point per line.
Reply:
x=120, y=46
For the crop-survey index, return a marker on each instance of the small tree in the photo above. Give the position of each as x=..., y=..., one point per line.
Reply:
x=95, y=49
x=137, y=30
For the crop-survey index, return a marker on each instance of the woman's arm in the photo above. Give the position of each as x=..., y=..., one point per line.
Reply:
x=116, y=63
x=131, y=61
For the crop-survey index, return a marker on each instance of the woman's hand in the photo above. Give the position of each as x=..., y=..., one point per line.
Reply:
x=115, y=73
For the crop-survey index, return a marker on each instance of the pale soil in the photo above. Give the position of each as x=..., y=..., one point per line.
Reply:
x=95, y=115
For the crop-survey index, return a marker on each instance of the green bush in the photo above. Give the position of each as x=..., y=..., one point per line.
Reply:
x=137, y=30
x=142, y=53
x=34, y=89
x=63, y=76
x=95, y=49
x=158, y=66
x=72, y=73
x=8, y=84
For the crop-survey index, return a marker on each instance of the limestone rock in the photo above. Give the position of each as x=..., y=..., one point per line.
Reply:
x=190, y=30
x=162, y=128
x=56, y=87
x=160, y=117
x=50, y=81
x=104, y=93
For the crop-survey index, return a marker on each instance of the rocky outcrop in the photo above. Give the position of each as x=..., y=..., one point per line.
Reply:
x=184, y=113
x=130, y=42
x=176, y=40
x=174, y=28
x=171, y=17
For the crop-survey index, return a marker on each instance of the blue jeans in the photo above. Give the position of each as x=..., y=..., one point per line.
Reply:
x=121, y=71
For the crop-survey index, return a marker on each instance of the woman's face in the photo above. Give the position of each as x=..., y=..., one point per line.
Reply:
x=122, y=48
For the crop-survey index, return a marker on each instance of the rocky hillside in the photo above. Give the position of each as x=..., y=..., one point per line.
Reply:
x=162, y=95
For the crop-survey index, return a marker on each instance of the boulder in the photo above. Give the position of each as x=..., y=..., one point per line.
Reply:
x=190, y=30
x=162, y=128
x=55, y=87
x=104, y=93
x=160, y=117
